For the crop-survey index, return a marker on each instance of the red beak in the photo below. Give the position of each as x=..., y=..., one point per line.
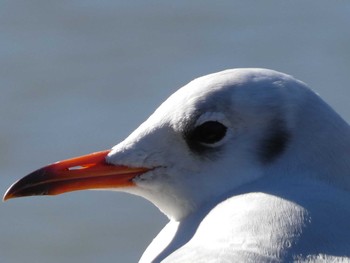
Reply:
x=85, y=172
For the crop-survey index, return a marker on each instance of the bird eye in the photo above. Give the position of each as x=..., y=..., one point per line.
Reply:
x=209, y=132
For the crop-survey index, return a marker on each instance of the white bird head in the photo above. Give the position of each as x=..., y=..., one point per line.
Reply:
x=208, y=139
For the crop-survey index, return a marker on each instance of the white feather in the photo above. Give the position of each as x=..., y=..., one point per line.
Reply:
x=228, y=205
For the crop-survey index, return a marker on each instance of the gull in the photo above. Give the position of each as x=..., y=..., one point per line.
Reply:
x=249, y=165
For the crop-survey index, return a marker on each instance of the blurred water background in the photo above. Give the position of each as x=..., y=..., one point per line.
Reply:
x=78, y=76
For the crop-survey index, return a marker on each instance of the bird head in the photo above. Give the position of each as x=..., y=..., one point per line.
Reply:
x=212, y=136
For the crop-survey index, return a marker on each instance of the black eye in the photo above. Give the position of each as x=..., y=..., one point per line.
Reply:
x=208, y=133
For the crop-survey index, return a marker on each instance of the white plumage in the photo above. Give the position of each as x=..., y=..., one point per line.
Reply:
x=250, y=165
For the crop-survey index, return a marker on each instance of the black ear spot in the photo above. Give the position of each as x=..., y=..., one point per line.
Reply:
x=274, y=143
x=202, y=136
